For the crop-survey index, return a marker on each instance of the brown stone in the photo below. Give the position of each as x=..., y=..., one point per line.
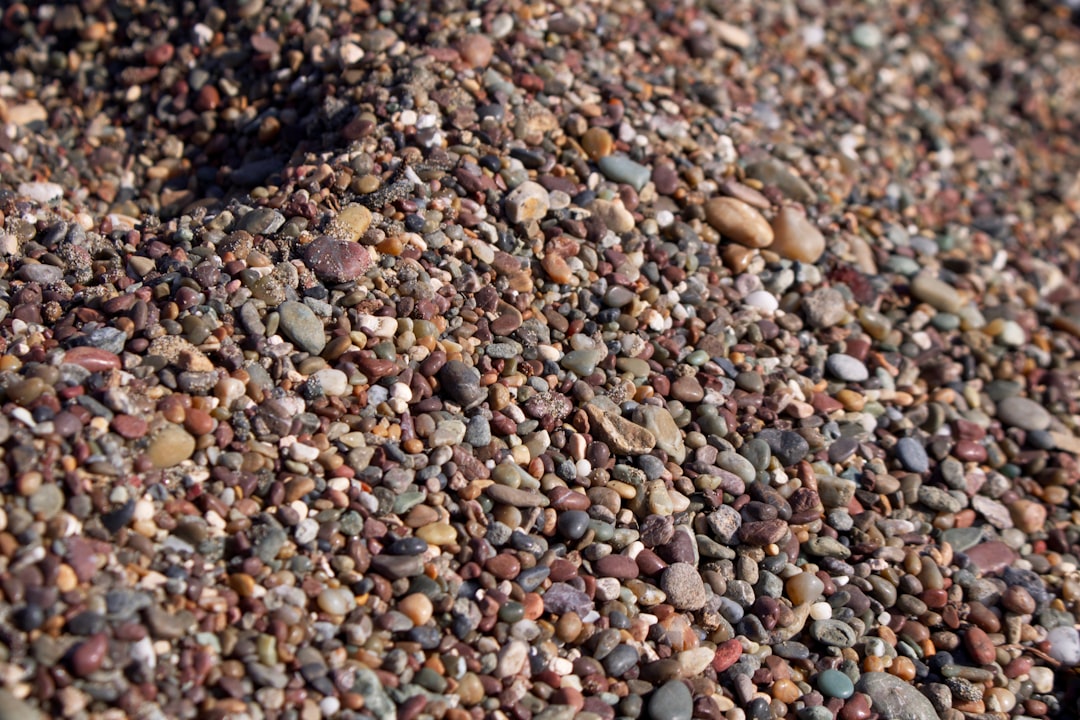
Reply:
x=89, y=656
x=763, y=532
x=622, y=567
x=504, y=566
x=795, y=237
x=92, y=358
x=739, y=222
x=979, y=646
x=991, y=557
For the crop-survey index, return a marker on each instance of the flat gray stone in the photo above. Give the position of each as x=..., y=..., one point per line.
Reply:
x=1023, y=413
x=894, y=699
x=302, y=326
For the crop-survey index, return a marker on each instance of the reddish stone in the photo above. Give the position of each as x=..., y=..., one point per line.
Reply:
x=129, y=426
x=726, y=655
x=991, y=557
x=970, y=451
x=563, y=498
x=337, y=261
x=622, y=567
x=979, y=646
x=504, y=566
x=198, y=422
x=92, y=359
x=89, y=656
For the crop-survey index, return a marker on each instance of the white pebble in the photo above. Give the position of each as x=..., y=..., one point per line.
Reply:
x=334, y=383
x=1065, y=645
x=763, y=300
x=306, y=531
x=1042, y=678
x=821, y=611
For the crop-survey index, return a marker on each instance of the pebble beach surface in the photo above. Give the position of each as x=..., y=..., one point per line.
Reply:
x=539, y=360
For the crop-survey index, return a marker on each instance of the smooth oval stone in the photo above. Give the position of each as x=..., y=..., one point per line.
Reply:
x=672, y=701
x=573, y=523
x=833, y=683
x=620, y=660
x=795, y=237
x=300, y=324
x=912, y=455
x=894, y=699
x=739, y=222
x=1023, y=413
x=846, y=368
x=170, y=446
x=936, y=293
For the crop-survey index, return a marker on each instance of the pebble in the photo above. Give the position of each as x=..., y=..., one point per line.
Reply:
x=894, y=699
x=1065, y=645
x=833, y=683
x=170, y=446
x=912, y=455
x=528, y=201
x=847, y=368
x=671, y=701
x=619, y=168
x=1023, y=413
x=795, y=237
x=302, y=326
x=12, y=708
x=337, y=261
x=739, y=222
x=682, y=584
x=939, y=295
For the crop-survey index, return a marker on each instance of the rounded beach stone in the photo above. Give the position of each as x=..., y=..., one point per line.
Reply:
x=1023, y=413
x=894, y=699
x=672, y=701
x=795, y=237
x=170, y=446
x=833, y=683
x=739, y=222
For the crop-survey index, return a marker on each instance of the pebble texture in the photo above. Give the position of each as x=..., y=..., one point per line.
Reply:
x=448, y=361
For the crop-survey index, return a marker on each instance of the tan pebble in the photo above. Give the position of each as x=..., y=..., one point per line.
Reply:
x=737, y=257
x=597, y=142
x=243, y=584
x=417, y=607
x=556, y=268
x=739, y=222
x=470, y=690
x=351, y=223
x=795, y=237
x=568, y=627
x=66, y=580
x=170, y=446
x=437, y=534
x=1028, y=515
x=786, y=691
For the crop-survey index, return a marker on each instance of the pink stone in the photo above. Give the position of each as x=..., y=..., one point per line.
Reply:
x=991, y=557
x=92, y=359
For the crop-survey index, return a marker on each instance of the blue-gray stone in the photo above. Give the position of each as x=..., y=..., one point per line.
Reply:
x=301, y=325
x=619, y=168
x=912, y=455
x=672, y=701
x=894, y=699
x=846, y=368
